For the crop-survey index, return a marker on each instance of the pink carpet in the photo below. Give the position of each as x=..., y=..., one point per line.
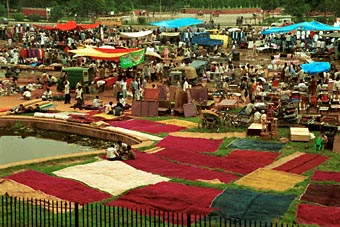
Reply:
x=302, y=163
x=146, y=126
x=238, y=161
x=189, y=144
x=169, y=196
x=153, y=164
x=318, y=215
x=65, y=189
x=326, y=176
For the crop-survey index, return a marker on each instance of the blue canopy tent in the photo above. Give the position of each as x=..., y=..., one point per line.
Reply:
x=316, y=67
x=177, y=23
x=303, y=26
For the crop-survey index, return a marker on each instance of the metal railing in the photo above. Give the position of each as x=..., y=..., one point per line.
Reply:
x=34, y=212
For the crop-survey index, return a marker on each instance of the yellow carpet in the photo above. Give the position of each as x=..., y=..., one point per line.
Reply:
x=15, y=189
x=106, y=116
x=271, y=180
x=154, y=150
x=182, y=123
x=283, y=160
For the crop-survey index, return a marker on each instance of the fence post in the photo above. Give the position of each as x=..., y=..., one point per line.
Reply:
x=188, y=219
x=76, y=215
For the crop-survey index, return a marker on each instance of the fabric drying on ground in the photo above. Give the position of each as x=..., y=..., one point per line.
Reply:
x=169, y=196
x=178, y=122
x=284, y=159
x=302, y=163
x=238, y=161
x=326, y=176
x=146, y=126
x=323, y=194
x=15, y=189
x=255, y=206
x=208, y=135
x=249, y=144
x=85, y=119
x=153, y=164
x=114, y=177
x=65, y=189
x=186, y=144
x=272, y=180
x=318, y=215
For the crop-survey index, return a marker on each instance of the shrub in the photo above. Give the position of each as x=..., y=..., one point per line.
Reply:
x=141, y=20
x=18, y=16
x=34, y=17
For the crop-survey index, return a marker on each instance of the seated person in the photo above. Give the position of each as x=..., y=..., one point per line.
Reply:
x=250, y=109
x=97, y=102
x=108, y=108
x=47, y=95
x=20, y=109
x=112, y=154
x=27, y=95
x=122, y=148
x=118, y=109
x=130, y=154
x=257, y=117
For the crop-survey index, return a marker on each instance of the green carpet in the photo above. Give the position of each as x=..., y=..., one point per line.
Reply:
x=245, y=204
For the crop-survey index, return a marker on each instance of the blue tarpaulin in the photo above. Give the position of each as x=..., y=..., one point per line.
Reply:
x=177, y=23
x=316, y=67
x=303, y=26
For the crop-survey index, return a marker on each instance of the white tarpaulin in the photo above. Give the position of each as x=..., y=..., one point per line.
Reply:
x=171, y=34
x=135, y=34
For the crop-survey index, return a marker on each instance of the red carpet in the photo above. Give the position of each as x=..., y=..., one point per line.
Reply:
x=323, y=194
x=302, y=163
x=238, y=161
x=189, y=144
x=326, y=176
x=146, y=126
x=319, y=215
x=65, y=189
x=153, y=164
x=169, y=196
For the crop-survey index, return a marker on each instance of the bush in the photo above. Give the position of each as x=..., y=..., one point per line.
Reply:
x=141, y=20
x=34, y=18
x=18, y=16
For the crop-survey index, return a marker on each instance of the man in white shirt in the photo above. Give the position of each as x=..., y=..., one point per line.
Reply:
x=112, y=154
x=27, y=95
x=185, y=85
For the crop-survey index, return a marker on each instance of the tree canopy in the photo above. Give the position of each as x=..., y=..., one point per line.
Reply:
x=296, y=8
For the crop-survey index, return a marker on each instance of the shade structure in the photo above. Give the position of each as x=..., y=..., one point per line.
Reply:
x=177, y=23
x=135, y=34
x=303, y=26
x=70, y=25
x=316, y=67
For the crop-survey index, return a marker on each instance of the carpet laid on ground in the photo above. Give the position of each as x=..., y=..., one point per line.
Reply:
x=249, y=144
x=15, y=189
x=154, y=164
x=283, y=160
x=146, y=126
x=84, y=119
x=114, y=177
x=318, y=215
x=323, y=194
x=246, y=204
x=181, y=123
x=169, y=196
x=302, y=163
x=189, y=144
x=326, y=176
x=65, y=189
x=238, y=161
x=273, y=180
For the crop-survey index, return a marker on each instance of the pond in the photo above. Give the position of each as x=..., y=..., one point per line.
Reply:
x=25, y=144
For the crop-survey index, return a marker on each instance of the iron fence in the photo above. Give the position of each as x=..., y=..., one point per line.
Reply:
x=34, y=212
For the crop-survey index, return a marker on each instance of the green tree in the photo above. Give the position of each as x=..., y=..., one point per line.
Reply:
x=3, y=10
x=57, y=12
x=18, y=16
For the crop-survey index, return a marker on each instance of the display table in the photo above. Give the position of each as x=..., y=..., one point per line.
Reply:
x=299, y=134
x=227, y=103
x=254, y=129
